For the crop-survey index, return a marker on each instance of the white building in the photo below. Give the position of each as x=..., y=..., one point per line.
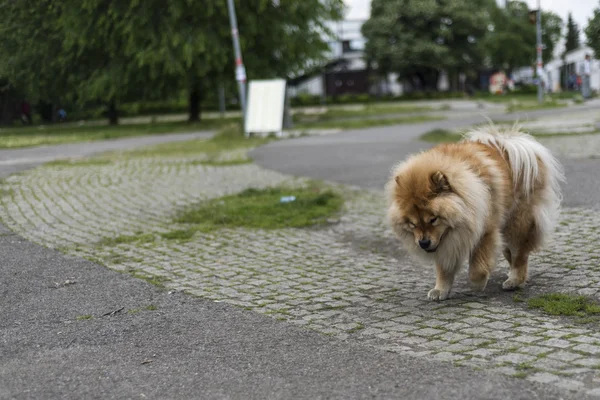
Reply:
x=557, y=70
x=346, y=71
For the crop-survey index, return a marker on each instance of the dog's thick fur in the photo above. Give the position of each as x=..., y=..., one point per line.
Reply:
x=493, y=191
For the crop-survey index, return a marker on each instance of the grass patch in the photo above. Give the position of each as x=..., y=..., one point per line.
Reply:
x=254, y=208
x=158, y=281
x=150, y=307
x=441, y=136
x=517, y=298
x=6, y=192
x=222, y=163
x=126, y=239
x=357, y=328
x=447, y=136
x=59, y=134
x=88, y=162
x=228, y=138
x=367, y=111
x=565, y=304
x=180, y=234
x=366, y=122
x=516, y=106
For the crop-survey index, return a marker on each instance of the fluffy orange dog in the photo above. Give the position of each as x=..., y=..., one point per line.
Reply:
x=467, y=201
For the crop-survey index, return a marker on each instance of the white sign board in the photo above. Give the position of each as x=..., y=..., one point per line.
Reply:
x=265, y=106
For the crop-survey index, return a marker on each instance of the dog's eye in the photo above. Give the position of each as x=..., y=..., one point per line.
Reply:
x=410, y=224
x=433, y=220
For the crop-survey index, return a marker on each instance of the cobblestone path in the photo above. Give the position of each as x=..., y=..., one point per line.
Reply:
x=349, y=280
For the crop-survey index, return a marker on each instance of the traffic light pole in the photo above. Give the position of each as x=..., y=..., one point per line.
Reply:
x=540, y=71
x=240, y=71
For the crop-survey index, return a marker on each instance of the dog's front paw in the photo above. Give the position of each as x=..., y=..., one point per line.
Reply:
x=512, y=284
x=437, y=294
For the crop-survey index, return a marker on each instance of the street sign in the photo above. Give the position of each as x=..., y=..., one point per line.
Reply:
x=266, y=106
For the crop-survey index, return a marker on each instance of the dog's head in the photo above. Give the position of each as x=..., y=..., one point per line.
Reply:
x=425, y=206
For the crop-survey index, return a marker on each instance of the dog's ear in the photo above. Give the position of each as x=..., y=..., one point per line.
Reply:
x=440, y=182
x=400, y=183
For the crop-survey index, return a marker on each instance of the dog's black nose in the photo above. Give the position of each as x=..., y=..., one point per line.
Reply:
x=424, y=244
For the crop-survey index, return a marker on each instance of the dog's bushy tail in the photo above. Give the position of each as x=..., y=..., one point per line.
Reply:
x=524, y=155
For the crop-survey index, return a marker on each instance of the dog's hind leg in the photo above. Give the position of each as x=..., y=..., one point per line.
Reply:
x=523, y=238
x=483, y=260
x=517, y=276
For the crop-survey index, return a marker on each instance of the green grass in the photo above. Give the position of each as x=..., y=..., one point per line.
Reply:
x=368, y=110
x=179, y=234
x=565, y=304
x=15, y=137
x=441, y=136
x=127, y=239
x=531, y=106
x=229, y=138
x=86, y=162
x=150, y=307
x=222, y=163
x=524, y=97
x=366, y=122
x=254, y=208
x=448, y=136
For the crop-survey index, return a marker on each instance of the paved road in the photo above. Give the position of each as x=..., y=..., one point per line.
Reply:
x=15, y=160
x=365, y=157
x=188, y=347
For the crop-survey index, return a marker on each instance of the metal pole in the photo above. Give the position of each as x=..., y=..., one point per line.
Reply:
x=240, y=71
x=538, y=22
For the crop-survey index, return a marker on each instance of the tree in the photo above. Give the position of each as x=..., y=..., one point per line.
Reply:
x=96, y=33
x=111, y=51
x=190, y=41
x=551, y=33
x=572, y=37
x=32, y=60
x=420, y=38
x=511, y=42
x=592, y=33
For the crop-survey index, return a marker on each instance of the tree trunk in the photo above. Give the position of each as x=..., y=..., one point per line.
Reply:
x=194, y=105
x=429, y=79
x=113, y=114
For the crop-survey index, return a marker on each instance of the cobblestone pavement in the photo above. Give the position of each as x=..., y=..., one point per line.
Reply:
x=349, y=280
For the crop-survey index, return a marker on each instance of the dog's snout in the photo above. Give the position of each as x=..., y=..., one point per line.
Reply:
x=424, y=244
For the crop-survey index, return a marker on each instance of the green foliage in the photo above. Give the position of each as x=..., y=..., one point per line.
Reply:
x=422, y=37
x=592, y=33
x=511, y=41
x=572, y=37
x=32, y=57
x=110, y=52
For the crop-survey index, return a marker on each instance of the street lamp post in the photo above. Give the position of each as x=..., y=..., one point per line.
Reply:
x=538, y=23
x=240, y=71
